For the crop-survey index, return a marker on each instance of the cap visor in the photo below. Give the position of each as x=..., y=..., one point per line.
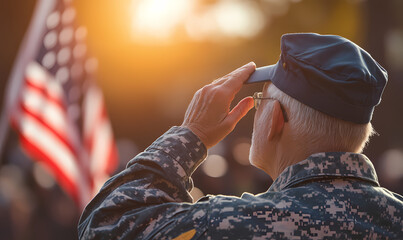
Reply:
x=262, y=74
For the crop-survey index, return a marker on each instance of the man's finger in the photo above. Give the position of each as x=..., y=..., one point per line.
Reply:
x=235, y=74
x=239, y=76
x=239, y=111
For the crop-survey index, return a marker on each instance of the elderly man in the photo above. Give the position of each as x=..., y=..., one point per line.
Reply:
x=311, y=124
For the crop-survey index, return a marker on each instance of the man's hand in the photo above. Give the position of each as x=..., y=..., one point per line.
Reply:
x=208, y=114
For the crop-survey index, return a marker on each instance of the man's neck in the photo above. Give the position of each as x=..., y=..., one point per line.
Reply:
x=285, y=157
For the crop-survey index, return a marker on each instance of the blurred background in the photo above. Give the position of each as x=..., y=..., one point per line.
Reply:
x=154, y=54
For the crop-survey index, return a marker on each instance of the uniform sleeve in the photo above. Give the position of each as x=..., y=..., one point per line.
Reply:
x=150, y=198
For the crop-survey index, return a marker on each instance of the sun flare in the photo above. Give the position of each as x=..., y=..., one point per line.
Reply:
x=162, y=19
x=159, y=18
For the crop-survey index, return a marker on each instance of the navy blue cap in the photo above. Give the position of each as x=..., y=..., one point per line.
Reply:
x=328, y=73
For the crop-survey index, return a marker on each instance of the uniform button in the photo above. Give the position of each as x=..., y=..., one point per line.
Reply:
x=284, y=65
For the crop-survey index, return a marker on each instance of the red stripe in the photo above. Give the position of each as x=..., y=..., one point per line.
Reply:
x=112, y=158
x=89, y=143
x=113, y=152
x=60, y=136
x=14, y=122
x=69, y=185
x=45, y=92
x=104, y=114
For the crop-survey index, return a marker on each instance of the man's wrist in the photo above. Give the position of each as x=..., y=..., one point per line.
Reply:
x=183, y=146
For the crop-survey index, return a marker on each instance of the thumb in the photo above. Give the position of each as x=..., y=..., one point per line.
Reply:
x=239, y=111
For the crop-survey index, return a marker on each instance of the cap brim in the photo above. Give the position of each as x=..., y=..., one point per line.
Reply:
x=262, y=74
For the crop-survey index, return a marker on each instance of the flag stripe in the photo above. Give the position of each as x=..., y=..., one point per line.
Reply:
x=100, y=153
x=111, y=159
x=93, y=106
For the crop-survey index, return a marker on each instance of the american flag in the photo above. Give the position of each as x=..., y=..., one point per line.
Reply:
x=60, y=114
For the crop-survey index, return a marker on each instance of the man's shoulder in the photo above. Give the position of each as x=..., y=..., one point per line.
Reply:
x=333, y=196
x=337, y=204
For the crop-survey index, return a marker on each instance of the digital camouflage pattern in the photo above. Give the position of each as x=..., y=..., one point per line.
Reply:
x=327, y=196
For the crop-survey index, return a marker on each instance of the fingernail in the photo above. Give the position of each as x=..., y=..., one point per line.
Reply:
x=246, y=64
x=251, y=64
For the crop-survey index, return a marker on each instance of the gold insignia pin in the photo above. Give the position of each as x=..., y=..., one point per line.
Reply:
x=186, y=235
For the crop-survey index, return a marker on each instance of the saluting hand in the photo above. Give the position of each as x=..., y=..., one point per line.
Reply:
x=208, y=114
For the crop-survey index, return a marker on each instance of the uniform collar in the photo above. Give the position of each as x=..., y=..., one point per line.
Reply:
x=327, y=165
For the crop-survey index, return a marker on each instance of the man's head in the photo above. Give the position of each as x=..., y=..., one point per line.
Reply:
x=329, y=87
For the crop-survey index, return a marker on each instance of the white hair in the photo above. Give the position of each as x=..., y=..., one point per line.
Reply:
x=319, y=129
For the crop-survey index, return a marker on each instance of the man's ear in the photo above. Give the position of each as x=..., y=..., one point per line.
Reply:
x=277, y=122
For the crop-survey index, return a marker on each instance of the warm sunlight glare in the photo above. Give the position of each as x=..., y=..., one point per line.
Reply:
x=159, y=18
x=239, y=18
x=226, y=19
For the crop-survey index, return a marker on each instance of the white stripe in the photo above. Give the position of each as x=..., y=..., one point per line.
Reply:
x=98, y=128
x=93, y=105
x=103, y=143
x=100, y=155
x=51, y=113
x=36, y=74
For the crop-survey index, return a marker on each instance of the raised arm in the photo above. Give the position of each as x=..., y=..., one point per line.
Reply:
x=150, y=198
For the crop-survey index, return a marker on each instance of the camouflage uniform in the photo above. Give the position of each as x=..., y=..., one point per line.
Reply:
x=326, y=196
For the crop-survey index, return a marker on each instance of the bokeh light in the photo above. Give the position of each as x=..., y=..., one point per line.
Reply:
x=241, y=150
x=215, y=166
x=394, y=49
x=11, y=179
x=392, y=164
x=42, y=176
